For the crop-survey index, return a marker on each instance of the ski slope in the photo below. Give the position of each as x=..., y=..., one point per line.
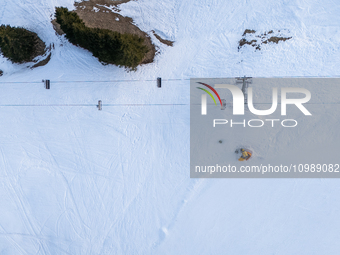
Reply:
x=75, y=180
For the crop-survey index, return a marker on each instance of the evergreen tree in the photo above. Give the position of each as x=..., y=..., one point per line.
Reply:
x=18, y=44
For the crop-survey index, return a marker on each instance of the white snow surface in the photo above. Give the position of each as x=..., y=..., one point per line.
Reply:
x=75, y=180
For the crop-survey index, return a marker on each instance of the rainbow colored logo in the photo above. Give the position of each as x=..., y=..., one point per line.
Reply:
x=213, y=90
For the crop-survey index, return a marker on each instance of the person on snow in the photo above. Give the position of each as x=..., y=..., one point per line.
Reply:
x=245, y=154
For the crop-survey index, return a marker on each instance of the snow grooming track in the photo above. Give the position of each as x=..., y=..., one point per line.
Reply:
x=75, y=180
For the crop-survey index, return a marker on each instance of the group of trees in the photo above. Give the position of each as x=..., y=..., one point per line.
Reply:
x=124, y=50
x=18, y=44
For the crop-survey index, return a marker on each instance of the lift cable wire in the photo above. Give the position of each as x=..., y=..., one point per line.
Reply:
x=171, y=79
x=108, y=81
x=128, y=105
x=178, y=79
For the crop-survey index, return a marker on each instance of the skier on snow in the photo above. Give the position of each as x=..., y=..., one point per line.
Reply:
x=245, y=155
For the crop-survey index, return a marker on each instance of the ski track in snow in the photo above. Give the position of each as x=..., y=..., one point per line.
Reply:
x=75, y=180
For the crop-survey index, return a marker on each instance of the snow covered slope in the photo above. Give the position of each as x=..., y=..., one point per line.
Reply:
x=75, y=180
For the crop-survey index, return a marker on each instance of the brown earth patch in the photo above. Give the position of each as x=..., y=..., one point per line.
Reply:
x=244, y=41
x=277, y=39
x=167, y=42
x=91, y=3
x=56, y=27
x=43, y=62
x=248, y=31
x=256, y=40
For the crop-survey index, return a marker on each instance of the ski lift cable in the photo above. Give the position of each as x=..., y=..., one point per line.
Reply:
x=83, y=105
x=108, y=81
x=117, y=105
x=171, y=79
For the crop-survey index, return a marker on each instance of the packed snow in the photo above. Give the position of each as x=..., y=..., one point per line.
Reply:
x=75, y=180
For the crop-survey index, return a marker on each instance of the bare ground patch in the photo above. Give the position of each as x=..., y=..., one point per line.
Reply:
x=256, y=40
x=276, y=40
x=43, y=62
x=56, y=27
x=166, y=42
x=244, y=41
x=248, y=31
